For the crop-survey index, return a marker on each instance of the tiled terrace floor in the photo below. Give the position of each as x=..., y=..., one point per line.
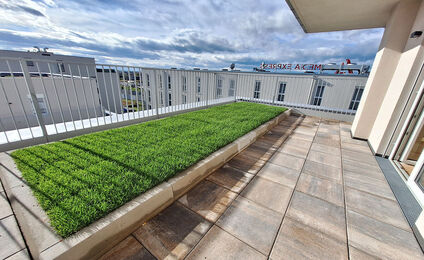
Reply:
x=304, y=190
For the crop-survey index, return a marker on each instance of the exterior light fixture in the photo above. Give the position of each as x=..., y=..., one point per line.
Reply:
x=416, y=34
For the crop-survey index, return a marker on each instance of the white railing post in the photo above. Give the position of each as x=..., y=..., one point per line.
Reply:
x=156, y=93
x=33, y=96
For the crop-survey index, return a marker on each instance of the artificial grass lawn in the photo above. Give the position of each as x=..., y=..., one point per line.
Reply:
x=80, y=180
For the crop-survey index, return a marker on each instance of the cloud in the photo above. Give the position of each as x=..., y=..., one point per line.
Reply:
x=177, y=33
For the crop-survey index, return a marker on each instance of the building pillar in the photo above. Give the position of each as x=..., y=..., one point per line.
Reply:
x=386, y=61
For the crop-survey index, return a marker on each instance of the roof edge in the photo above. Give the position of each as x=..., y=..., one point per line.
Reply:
x=297, y=16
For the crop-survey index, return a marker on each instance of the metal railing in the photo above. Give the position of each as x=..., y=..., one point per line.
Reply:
x=48, y=100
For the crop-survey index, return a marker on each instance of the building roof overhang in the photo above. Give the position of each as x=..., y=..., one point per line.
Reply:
x=338, y=15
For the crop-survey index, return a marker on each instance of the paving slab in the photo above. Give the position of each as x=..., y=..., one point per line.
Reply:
x=323, y=171
x=279, y=174
x=173, y=233
x=128, y=249
x=356, y=148
x=247, y=163
x=251, y=223
x=231, y=178
x=359, y=156
x=356, y=254
x=287, y=160
x=5, y=209
x=268, y=194
x=318, y=214
x=385, y=210
x=11, y=240
x=21, y=255
x=326, y=149
x=208, y=199
x=257, y=152
x=326, y=141
x=298, y=142
x=302, y=136
x=381, y=239
x=298, y=241
x=218, y=244
x=363, y=169
x=297, y=151
x=324, y=158
x=360, y=182
x=321, y=188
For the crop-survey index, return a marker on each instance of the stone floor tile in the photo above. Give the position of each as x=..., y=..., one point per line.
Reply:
x=246, y=163
x=294, y=150
x=350, y=140
x=279, y=174
x=264, y=145
x=323, y=171
x=325, y=158
x=287, y=160
x=329, y=134
x=302, y=136
x=218, y=244
x=359, y=156
x=356, y=148
x=356, y=254
x=321, y=188
x=251, y=223
x=363, y=169
x=326, y=141
x=173, y=232
x=298, y=241
x=11, y=240
x=231, y=178
x=21, y=255
x=326, y=149
x=208, y=200
x=257, y=152
x=298, y=142
x=384, y=210
x=5, y=209
x=318, y=214
x=268, y=194
x=371, y=185
x=128, y=249
x=380, y=239
x=305, y=130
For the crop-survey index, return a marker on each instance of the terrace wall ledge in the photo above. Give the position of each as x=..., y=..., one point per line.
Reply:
x=97, y=238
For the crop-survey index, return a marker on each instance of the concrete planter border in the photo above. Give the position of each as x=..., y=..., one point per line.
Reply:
x=95, y=239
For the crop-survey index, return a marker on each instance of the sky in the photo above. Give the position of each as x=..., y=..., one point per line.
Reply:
x=178, y=33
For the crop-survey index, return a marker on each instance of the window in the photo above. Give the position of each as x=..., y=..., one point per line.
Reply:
x=356, y=98
x=231, y=89
x=30, y=63
x=61, y=67
x=149, y=96
x=198, y=99
x=184, y=81
x=257, y=91
x=148, y=80
x=281, y=91
x=160, y=81
x=219, y=88
x=169, y=99
x=169, y=82
x=41, y=104
x=161, y=98
x=319, y=91
x=184, y=97
x=198, y=87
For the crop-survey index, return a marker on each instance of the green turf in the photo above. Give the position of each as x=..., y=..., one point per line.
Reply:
x=80, y=180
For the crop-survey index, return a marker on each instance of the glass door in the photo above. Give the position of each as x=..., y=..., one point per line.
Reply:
x=416, y=180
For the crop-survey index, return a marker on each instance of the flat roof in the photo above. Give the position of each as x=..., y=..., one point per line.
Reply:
x=339, y=15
